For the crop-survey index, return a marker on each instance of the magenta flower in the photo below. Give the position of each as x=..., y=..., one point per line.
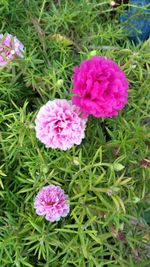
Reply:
x=58, y=124
x=10, y=47
x=52, y=203
x=100, y=87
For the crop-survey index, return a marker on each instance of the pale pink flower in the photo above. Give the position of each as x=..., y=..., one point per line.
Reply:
x=52, y=203
x=10, y=47
x=58, y=124
x=100, y=87
x=113, y=3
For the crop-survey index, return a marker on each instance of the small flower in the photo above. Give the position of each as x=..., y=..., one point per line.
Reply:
x=113, y=3
x=118, y=234
x=100, y=87
x=109, y=192
x=52, y=203
x=145, y=163
x=58, y=125
x=10, y=47
x=121, y=236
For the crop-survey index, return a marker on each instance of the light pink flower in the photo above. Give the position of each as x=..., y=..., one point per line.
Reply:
x=100, y=87
x=113, y=3
x=10, y=47
x=58, y=124
x=52, y=203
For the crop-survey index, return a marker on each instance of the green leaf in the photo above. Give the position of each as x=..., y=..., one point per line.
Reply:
x=118, y=166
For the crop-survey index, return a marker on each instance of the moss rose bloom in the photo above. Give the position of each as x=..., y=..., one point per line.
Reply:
x=58, y=124
x=100, y=87
x=10, y=47
x=52, y=203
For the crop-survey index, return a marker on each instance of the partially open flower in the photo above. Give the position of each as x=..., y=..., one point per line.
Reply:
x=10, y=47
x=58, y=124
x=52, y=203
x=100, y=87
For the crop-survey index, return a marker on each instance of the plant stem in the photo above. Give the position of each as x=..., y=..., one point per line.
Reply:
x=42, y=8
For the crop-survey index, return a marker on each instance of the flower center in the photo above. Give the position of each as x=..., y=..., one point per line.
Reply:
x=50, y=203
x=88, y=95
x=58, y=126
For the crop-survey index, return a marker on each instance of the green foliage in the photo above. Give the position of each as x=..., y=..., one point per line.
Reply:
x=104, y=177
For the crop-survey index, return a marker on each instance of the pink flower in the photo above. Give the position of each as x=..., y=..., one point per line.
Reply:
x=100, y=87
x=10, y=47
x=58, y=125
x=52, y=203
